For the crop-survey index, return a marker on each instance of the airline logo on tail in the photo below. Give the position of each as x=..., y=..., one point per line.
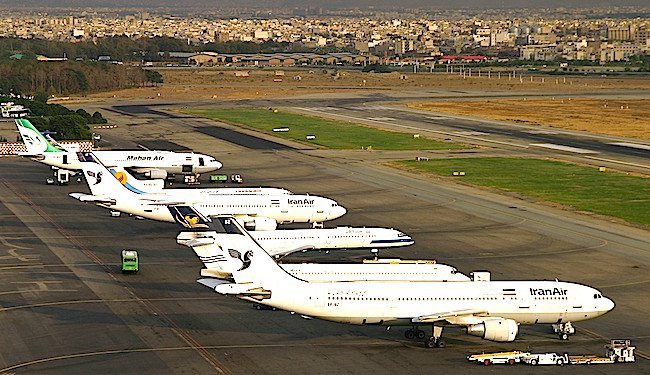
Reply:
x=35, y=142
x=97, y=176
x=188, y=218
x=121, y=177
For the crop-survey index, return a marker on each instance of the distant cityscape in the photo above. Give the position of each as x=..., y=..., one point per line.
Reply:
x=607, y=36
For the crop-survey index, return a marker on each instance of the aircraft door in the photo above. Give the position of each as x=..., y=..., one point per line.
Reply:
x=65, y=159
x=201, y=162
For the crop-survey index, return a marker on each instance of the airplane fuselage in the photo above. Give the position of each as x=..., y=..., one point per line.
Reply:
x=139, y=161
x=396, y=303
x=284, y=208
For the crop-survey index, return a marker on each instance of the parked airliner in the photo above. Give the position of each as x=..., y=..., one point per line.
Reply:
x=256, y=211
x=492, y=310
x=157, y=186
x=153, y=164
x=280, y=243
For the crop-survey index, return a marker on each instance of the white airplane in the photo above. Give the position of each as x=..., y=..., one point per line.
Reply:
x=153, y=164
x=204, y=235
x=258, y=211
x=280, y=243
x=156, y=186
x=492, y=310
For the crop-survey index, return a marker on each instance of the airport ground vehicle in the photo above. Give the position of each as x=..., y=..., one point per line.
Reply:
x=191, y=180
x=219, y=178
x=545, y=359
x=487, y=359
x=62, y=176
x=236, y=178
x=617, y=351
x=130, y=262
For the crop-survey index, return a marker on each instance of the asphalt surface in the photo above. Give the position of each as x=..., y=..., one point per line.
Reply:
x=65, y=307
x=591, y=148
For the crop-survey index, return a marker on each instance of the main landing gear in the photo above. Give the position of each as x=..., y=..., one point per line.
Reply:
x=564, y=330
x=433, y=341
x=414, y=333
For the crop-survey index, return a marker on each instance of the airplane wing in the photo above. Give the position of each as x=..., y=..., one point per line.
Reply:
x=288, y=252
x=32, y=155
x=161, y=202
x=91, y=198
x=453, y=317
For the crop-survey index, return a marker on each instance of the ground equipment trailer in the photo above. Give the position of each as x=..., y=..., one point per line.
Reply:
x=487, y=359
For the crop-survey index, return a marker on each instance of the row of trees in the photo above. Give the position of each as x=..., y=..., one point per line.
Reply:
x=61, y=121
x=123, y=48
x=68, y=77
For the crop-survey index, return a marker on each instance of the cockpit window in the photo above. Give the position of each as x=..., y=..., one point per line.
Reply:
x=598, y=295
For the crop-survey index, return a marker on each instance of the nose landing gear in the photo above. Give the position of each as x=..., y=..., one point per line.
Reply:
x=564, y=330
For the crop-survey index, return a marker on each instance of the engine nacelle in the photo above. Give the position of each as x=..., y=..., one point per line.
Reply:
x=258, y=223
x=156, y=173
x=501, y=330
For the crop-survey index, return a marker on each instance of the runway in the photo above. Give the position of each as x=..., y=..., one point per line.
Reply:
x=65, y=308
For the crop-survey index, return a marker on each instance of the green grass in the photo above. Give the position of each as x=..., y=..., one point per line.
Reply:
x=583, y=188
x=329, y=133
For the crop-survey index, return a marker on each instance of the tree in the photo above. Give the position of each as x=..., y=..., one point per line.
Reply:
x=41, y=96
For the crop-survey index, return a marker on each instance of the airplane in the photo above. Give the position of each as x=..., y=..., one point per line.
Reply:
x=156, y=186
x=202, y=240
x=492, y=310
x=153, y=164
x=280, y=243
x=256, y=211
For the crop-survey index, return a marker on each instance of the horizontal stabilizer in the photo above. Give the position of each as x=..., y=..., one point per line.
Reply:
x=91, y=198
x=212, y=283
x=436, y=317
x=243, y=290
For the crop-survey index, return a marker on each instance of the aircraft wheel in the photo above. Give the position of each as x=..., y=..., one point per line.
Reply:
x=420, y=334
x=409, y=334
x=564, y=336
x=441, y=343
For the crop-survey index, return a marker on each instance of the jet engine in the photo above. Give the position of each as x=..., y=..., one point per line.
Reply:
x=258, y=223
x=501, y=330
x=155, y=173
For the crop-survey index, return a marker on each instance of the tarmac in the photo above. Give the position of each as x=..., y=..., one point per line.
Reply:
x=66, y=308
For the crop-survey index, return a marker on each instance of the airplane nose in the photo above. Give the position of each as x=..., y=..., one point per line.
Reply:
x=608, y=304
x=218, y=165
x=340, y=211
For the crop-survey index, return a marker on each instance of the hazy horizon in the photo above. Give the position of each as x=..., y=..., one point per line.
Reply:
x=331, y=4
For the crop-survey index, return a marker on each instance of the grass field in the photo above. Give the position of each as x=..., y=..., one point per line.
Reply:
x=329, y=133
x=622, y=117
x=216, y=83
x=583, y=188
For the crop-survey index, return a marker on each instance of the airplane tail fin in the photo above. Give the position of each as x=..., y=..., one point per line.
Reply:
x=135, y=185
x=246, y=260
x=35, y=142
x=99, y=179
